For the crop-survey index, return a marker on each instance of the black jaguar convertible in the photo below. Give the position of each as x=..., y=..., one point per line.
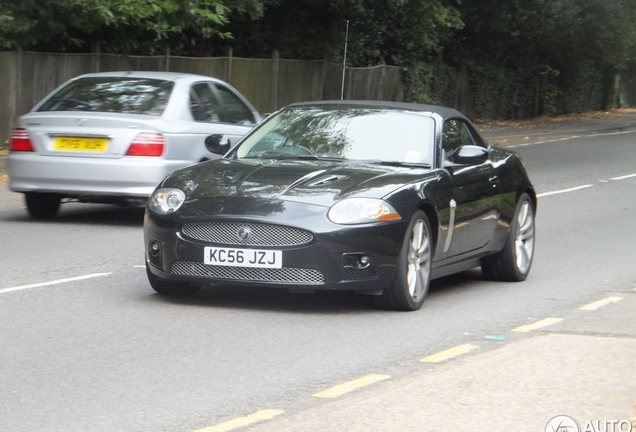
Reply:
x=375, y=197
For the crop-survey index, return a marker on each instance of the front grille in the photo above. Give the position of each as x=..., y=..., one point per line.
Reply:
x=281, y=275
x=357, y=273
x=258, y=234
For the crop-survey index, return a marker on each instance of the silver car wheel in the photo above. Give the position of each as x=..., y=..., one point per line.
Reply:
x=413, y=267
x=524, y=239
x=513, y=262
x=419, y=260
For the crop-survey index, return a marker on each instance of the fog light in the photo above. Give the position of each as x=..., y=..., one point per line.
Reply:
x=356, y=260
x=155, y=247
x=358, y=266
x=154, y=254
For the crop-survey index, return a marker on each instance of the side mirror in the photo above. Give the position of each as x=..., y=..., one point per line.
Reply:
x=470, y=155
x=218, y=144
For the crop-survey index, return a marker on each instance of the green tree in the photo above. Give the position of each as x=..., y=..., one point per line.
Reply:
x=577, y=46
x=380, y=31
x=124, y=25
x=405, y=33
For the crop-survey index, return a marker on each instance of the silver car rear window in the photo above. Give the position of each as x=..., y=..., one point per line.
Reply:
x=109, y=94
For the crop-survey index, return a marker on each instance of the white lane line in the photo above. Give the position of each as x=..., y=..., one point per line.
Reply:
x=593, y=135
x=55, y=282
x=563, y=191
x=624, y=177
x=584, y=186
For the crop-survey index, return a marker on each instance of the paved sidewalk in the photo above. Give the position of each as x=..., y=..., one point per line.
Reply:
x=554, y=128
x=583, y=367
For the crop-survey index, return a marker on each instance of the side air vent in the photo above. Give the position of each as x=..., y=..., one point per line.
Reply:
x=231, y=175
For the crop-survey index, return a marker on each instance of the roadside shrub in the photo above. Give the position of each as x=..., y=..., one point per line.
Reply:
x=501, y=92
x=428, y=82
x=584, y=89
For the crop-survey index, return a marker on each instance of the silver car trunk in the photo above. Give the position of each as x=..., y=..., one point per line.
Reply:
x=114, y=132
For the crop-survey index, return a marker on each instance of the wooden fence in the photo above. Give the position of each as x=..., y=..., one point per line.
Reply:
x=26, y=77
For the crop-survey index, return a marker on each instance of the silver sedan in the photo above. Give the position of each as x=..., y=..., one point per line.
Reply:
x=112, y=137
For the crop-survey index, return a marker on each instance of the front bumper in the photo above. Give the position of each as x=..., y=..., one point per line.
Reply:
x=332, y=260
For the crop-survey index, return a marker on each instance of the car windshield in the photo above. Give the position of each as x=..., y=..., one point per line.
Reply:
x=112, y=94
x=351, y=133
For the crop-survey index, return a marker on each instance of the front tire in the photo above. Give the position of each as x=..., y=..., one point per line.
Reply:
x=167, y=287
x=514, y=261
x=42, y=205
x=413, y=272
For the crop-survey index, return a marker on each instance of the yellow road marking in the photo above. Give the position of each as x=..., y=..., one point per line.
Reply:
x=449, y=353
x=243, y=421
x=539, y=324
x=350, y=386
x=600, y=303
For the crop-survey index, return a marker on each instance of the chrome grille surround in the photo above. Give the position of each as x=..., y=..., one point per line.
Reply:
x=281, y=275
x=259, y=234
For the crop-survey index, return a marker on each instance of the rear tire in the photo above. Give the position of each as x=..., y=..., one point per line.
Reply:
x=166, y=287
x=413, y=271
x=513, y=263
x=42, y=205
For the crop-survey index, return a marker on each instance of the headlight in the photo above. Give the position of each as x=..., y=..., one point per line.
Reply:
x=166, y=200
x=362, y=210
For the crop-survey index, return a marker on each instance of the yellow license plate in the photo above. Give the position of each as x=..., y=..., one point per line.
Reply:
x=81, y=144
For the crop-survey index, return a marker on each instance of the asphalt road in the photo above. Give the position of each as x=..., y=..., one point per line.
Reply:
x=105, y=353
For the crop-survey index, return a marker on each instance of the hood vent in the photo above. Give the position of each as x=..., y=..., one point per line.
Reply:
x=326, y=180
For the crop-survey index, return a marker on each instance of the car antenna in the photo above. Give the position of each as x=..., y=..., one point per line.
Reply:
x=344, y=62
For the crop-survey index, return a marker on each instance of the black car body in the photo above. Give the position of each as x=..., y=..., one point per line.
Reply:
x=375, y=197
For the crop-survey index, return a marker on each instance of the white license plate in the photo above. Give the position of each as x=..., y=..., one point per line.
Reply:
x=243, y=257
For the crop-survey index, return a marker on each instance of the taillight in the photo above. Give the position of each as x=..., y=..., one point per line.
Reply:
x=147, y=144
x=21, y=141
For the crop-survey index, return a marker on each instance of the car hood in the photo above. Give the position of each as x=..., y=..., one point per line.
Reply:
x=313, y=182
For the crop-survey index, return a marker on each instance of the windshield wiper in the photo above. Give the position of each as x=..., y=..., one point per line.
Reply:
x=399, y=164
x=299, y=157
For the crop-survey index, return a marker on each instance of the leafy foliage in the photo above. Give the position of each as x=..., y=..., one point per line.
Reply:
x=578, y=45
x=122, y=25
x=521, y=57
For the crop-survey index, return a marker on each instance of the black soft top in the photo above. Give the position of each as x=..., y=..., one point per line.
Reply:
x=444, y=112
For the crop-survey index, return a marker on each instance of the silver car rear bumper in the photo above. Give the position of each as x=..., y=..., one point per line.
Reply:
x=80, y=176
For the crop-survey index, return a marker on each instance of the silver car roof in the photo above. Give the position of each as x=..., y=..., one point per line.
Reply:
x=170, y=76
